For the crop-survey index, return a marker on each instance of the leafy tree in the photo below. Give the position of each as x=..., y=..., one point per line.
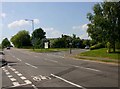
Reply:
x=105, y=23
x=21, y=39
x=5, y=43
x=37, y=36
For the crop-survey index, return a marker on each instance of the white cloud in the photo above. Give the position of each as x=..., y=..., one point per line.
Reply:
x=2, y=15
x=21, y=23
x=82, y=30
x=36, y=21
x=52, y=33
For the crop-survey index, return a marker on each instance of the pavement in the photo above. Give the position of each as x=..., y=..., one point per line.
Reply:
x=29, y=70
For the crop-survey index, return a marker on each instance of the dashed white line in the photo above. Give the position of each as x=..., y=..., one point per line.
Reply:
x=86, y=68
x=34, y=87
x=36, y=56
x=23, y=78
x=51, y=60
x=31, y=65
x=10, y=76
x=28, y=82
x=16, y=84
x=7, y=73
x=12, y=79
x=19, y=74
x=19, y=59
x=68, y=81
x=16, y=72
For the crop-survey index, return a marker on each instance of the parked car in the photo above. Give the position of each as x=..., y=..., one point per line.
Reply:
x=8, y=48
x=87, y=47
x=2, y=59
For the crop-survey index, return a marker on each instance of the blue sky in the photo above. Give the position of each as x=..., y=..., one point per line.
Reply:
x=55, y=18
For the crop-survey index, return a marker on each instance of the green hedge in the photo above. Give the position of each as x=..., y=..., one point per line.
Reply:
x=97, y=46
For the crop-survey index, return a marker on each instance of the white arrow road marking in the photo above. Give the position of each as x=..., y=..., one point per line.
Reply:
x=68, y=81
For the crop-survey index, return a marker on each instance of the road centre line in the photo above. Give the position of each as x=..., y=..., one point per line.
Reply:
x=19, y=59
x=31, y=65
x=67, y=81
x=86, y=68
x=51, y=60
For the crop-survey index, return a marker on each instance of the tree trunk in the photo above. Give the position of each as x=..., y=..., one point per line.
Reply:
x=114, y=47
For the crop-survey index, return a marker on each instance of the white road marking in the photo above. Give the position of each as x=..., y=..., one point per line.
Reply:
x=31, y=65
x=16, y=84
x=7, y=73
x=5, y=70
x=67, y=81
x=34, y=87
x=12, y=79
x=86, y=68
x=51, y=60
x=28, y=82
x=10, y=76
x=14, y=56
x=23, y=78
x=42, y=77
x=36, y=56
x=16, y=72
x=93, y=69
x=19, y=74
x=19, y=59
x=13, y=69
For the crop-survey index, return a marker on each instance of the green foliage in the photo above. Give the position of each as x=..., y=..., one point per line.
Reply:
x=97, y=46
x=59, y=43
x=65, y=41
x=105, y=23
x=5, y=43
x=22, y=38
x=37, y=36
x=101, y=53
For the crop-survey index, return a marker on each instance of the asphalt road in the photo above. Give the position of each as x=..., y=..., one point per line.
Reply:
x=29, y=70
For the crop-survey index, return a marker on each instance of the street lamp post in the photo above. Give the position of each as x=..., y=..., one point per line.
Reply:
x=32, y=29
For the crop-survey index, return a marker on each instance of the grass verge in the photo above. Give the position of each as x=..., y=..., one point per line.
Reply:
x=100, y=55
x=49, y=50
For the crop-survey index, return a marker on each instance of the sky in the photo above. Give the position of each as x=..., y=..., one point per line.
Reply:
x=55, y=18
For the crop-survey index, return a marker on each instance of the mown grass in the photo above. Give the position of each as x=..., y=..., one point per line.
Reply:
x=49, y=50
x=102, y=53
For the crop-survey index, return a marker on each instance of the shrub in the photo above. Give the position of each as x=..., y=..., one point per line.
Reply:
x=97, y=46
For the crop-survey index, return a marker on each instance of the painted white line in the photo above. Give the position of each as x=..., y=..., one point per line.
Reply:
x=10, y=76
x=12, y=79
x=93, y=69
x=42, y=77
x=51, y=60
x=13, y=56
x=36, y=56
x=28, y=82
x=23, y=78
x=13, y=69
x=68, y=81
x=6, y=70
x=19, y=59
x=34, y=87
x=31, y=65
x=16, y=72
x=7, y=73
x=19, y=74
x=86, y=68
x=16, y=84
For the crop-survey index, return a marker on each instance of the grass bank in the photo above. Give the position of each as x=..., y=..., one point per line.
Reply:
x=49, y=50
x=100, y=55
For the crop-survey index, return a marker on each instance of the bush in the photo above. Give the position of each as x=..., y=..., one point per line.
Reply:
x=97, y=46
